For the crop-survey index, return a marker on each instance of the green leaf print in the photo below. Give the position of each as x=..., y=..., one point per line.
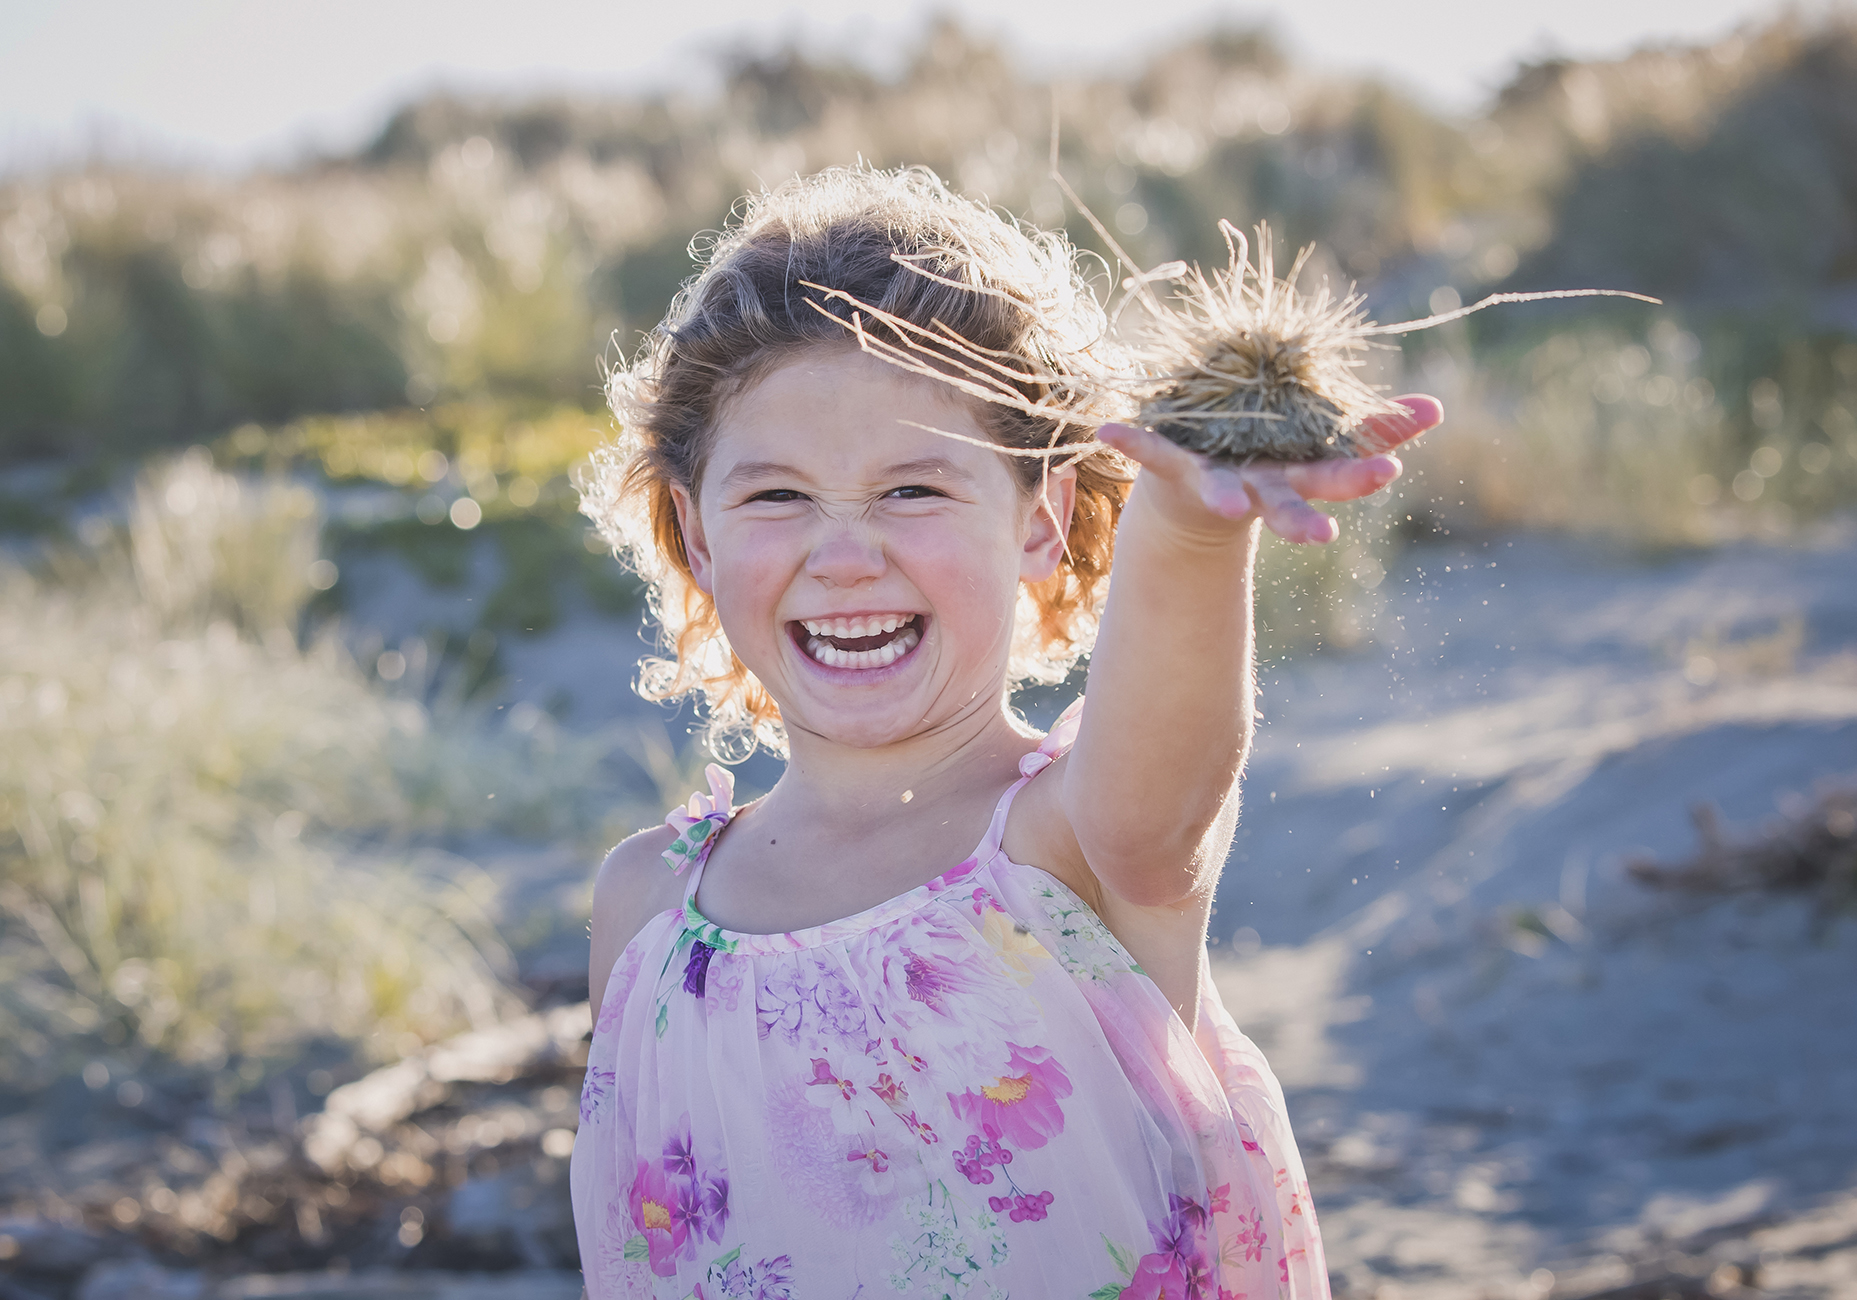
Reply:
x=723, y=1261
x=1124, y=1259
x=664, y=1018
x=1107, y=1291
x=638, y=1249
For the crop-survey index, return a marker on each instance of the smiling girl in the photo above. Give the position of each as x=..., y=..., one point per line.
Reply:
x=934, y=1016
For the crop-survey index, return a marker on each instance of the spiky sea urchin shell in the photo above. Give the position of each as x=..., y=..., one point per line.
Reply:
x=1245, y=366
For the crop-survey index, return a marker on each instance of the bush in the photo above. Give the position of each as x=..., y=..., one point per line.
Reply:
x=216, y=841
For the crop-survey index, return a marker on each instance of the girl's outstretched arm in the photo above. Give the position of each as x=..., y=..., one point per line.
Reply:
x=1151, y=789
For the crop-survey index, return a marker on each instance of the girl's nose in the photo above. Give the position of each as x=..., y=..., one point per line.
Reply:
x=847, y=557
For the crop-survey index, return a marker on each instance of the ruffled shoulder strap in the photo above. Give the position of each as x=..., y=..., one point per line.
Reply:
x=1057, y=742
x=697, y=824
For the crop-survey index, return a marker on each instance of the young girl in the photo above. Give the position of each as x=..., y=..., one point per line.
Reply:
x=934, y=1016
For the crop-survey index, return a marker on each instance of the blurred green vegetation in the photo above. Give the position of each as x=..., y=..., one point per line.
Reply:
x=217, y=841
x=480, y=254
x=457, y=474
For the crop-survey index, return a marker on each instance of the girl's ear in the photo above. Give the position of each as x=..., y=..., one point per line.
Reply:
x=1052, y=502
x=695, y=544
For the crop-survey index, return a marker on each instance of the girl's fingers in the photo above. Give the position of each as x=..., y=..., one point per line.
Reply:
x=1150, y=450
x=1385, y=432
x=1343, y=480
x=1283, y=509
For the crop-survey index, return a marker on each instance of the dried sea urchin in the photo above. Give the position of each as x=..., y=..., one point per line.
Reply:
x=1247, y=367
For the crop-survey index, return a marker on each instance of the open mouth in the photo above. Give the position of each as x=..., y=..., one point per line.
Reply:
x=869, y=641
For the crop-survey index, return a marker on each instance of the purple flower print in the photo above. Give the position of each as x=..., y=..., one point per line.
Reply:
x=715, y=1206
x=767, y=1279
x=680, y=1155
x=696, y=970
x=1026, y=1207
x=697, y=1204
x=687, y=1211
x=593, y=1093
x=807, y=995
x=929, y=981
x=1179, y=1267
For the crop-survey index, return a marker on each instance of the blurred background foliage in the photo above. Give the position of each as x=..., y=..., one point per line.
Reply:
x=406, y=341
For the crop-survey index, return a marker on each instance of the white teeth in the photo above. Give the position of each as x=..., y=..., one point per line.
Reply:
x=882, y=657
x=846, y=628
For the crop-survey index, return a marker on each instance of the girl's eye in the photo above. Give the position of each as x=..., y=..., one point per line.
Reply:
x=779, y=496
x=914, y=492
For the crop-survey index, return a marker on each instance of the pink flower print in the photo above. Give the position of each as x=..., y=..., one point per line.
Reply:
x=619, y=987
x=914, y=1062
x=1219, y=1200
x=920, y=1127
x=1157, y=1277
x=953, y=876
x=875, y=1177
x=1022, y=1104
x=976, y=1160
x=653, y=1203
x=828, y=1090
x=722, y=984
x=594, y=1091
x=1025, y=1206
x=1252, y=1237
x=984, y=902
x=890, y=1092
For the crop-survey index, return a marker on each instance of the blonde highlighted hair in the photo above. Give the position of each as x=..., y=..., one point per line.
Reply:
x=902, y=243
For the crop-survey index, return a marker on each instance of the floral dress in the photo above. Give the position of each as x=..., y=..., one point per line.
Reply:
x=968, y=1090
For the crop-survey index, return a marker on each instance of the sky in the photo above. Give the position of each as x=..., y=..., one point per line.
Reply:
x=230, y=83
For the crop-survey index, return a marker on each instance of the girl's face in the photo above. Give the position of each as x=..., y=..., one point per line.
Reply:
x=864, y=569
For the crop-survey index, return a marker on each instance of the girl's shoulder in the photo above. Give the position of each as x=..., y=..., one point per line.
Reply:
x=632, y=886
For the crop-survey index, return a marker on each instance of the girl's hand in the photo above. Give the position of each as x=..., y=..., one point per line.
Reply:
x=1212, y=496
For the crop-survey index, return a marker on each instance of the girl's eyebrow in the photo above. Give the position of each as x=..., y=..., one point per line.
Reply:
x=927, y=467
x=755, y=471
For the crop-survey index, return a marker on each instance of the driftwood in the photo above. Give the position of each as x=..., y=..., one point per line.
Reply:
x=1811, y=850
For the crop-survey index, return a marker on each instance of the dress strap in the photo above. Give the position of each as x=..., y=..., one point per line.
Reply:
x=698, y=824
x=1057, y=742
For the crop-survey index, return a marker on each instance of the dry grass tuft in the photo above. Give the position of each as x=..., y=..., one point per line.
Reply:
x=1813, y=849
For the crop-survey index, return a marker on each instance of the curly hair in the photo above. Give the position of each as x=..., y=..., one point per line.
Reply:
x=919, y=254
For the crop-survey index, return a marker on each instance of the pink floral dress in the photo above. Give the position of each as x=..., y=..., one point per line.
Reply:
x=969, y=1090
